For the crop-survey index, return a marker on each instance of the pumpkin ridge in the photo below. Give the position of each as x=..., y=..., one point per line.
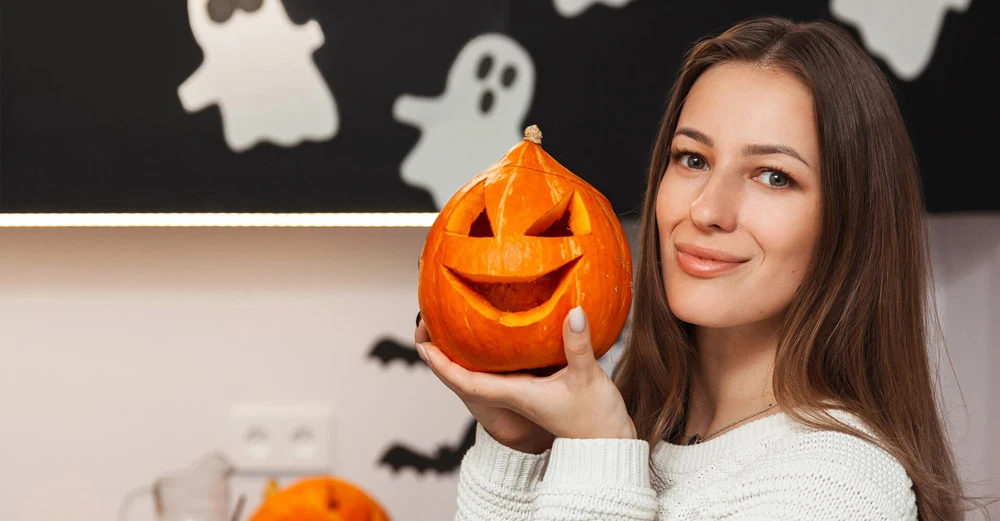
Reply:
x=503, y=199
x=518, y=166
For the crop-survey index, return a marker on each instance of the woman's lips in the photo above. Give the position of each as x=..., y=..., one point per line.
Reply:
x=703, y=262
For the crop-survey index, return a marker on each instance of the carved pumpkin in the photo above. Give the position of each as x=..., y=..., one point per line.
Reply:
x=319, y=499
x=511, y=253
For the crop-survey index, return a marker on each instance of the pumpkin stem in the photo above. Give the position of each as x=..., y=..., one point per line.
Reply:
x=533, y=134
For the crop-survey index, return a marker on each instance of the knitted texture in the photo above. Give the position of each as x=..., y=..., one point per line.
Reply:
x=769, y=469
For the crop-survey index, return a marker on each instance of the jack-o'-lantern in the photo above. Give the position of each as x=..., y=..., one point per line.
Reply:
x=511, y=253
x=318, y=499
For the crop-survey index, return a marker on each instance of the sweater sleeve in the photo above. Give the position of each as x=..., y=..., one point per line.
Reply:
x=828, y=476
x=497, y=482
x=606, y=479
x=577, y=479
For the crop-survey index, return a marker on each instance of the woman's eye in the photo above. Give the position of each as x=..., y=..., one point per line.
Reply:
x=774, y=178
x=693, y=161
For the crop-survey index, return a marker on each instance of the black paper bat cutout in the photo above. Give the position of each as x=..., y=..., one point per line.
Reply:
x=387, y=350
x=445, y=461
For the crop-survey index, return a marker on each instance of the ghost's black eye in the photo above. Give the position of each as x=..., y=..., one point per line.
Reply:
x=485, y=65
x=508, y=76
x=221, y=10
x=250, y=5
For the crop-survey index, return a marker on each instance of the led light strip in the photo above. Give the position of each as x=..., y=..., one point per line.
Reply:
x=346, y=220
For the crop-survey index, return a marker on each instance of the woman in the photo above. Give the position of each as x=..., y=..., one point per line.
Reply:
x=777, y=366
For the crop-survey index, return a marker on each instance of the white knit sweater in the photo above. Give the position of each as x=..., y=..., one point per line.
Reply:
x=770, y=469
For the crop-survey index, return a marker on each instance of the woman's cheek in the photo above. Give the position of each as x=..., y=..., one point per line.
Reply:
x=672, y=203
x=788, y=241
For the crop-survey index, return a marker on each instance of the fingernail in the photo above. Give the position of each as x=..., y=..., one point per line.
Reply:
x=421, y=352
x=577, y=320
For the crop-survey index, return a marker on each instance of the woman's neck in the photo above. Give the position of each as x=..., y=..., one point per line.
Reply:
x=732, y=376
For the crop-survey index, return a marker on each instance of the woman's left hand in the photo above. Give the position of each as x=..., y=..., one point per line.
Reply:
x=578, y=401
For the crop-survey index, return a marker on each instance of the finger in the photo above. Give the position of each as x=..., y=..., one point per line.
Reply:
x=421, y=334
x=422, y=351
x=576, y=340
x=486, y=387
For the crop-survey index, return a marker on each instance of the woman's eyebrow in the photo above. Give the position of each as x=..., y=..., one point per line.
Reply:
x=761, y=150
x=694, y=134
x=750, y=150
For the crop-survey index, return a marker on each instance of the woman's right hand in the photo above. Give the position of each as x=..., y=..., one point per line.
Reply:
x=505, y=426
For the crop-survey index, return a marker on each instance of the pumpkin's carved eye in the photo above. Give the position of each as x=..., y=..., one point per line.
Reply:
x=568, y=218
x=470, y=218
x=558, y=228
x=481, y=226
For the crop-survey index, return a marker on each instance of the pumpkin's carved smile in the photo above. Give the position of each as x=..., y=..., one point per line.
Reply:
x=512, y=297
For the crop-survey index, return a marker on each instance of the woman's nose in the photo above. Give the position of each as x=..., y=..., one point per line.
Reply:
x=717, y=204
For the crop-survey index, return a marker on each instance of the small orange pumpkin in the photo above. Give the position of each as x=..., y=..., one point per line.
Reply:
x=319, y=499
x=511, y=253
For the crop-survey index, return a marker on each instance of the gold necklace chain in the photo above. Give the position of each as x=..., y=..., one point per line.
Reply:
x=695, y=439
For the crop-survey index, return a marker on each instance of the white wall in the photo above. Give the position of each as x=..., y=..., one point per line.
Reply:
x=122, y=350
x=966, y=258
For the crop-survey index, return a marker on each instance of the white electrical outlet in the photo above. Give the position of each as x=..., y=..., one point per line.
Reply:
x=280, y=438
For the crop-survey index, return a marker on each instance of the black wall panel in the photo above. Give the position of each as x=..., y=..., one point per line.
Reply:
x=91, y=120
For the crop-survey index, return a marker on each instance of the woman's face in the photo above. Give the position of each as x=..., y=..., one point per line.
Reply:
x=738, y=208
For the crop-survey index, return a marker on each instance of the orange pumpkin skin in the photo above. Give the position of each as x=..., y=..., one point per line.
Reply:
x=320, y=499
x=511, y=253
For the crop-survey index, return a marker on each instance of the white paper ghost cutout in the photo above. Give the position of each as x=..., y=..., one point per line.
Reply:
x=474, y=122
x=571, y=8
x=902, y=32
x=258, y=68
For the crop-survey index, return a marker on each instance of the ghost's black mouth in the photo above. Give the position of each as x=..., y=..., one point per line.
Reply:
x=516, y=297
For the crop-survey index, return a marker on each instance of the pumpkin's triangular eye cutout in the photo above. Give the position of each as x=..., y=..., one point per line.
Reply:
x=481, y=226
x=567, y=218
x=470, y=218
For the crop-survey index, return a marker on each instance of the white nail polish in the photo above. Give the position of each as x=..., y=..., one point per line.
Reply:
x=577, y=320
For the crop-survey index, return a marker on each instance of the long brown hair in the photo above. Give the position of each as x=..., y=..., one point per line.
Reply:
x=856, y=333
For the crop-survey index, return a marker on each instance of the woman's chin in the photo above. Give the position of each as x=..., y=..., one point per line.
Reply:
x=713, y=324
x=707, y=312
x=700, y=316
x=721, y=315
